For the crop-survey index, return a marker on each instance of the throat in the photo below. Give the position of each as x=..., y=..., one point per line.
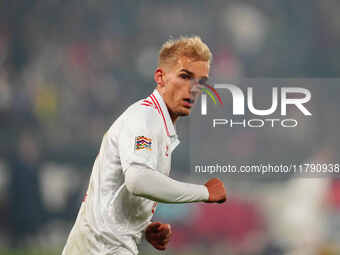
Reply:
x=173, y=116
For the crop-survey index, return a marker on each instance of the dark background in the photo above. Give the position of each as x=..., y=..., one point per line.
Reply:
x=69, y=68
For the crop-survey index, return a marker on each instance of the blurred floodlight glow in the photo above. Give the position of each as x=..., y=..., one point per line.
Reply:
x=57, y=182
x=247, y=25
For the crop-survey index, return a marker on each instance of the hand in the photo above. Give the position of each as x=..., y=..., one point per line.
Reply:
x=217, y=193
x=158, y=235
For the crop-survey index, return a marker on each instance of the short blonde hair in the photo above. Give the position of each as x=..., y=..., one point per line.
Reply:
x=192, y=47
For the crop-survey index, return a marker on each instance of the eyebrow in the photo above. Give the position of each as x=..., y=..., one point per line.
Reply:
x=192, y=74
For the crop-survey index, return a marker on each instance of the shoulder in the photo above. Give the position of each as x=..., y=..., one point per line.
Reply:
x=144, y=114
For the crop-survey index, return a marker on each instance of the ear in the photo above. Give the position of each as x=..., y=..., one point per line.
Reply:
x=159, y=76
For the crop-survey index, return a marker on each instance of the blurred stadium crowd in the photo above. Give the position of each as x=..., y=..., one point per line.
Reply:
x=69, y=68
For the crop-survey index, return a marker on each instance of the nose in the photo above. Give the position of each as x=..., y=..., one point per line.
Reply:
x=195, y=85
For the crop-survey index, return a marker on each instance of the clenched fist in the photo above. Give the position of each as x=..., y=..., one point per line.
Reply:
x=217, y=193
x=158, y=235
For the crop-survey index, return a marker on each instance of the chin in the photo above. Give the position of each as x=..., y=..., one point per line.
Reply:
x=184, y=113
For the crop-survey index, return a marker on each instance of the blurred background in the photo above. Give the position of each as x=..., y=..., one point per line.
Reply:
x=68, y=69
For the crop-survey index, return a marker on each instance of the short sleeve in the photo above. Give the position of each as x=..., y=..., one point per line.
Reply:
x=140, y=139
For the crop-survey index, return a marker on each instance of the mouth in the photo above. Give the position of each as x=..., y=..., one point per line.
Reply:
x=188, y=102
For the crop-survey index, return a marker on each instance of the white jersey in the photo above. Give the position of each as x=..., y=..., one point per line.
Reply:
x=111, y=219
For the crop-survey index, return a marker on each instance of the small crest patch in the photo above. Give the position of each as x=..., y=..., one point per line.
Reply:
x=143, y=142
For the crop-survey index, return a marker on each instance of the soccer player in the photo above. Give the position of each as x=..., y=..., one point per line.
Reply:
x=130, y=173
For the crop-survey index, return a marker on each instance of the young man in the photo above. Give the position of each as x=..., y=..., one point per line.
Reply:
x=130, y=173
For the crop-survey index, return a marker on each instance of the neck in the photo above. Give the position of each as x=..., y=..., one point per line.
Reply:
x=173, y=115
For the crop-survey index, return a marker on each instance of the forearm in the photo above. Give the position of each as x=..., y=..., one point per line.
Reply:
x=161, y=188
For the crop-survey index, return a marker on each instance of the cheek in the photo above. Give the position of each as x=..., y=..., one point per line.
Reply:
x=175, y=89
x=179, y=91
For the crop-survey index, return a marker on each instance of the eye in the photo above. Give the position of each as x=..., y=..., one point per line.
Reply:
x=203, y=81
x=185, y=76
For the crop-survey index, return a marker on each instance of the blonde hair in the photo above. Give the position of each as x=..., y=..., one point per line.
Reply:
x=191, y=47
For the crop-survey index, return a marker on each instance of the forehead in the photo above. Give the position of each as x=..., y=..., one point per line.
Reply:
x=198, y=68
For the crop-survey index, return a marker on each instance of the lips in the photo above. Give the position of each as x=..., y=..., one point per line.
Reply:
x=187, y=102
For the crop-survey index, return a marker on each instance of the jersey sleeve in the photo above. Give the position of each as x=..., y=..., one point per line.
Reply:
x=161, y=188
x=139, y=139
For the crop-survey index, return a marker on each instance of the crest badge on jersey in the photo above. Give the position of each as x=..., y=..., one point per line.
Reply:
x=143, y=143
